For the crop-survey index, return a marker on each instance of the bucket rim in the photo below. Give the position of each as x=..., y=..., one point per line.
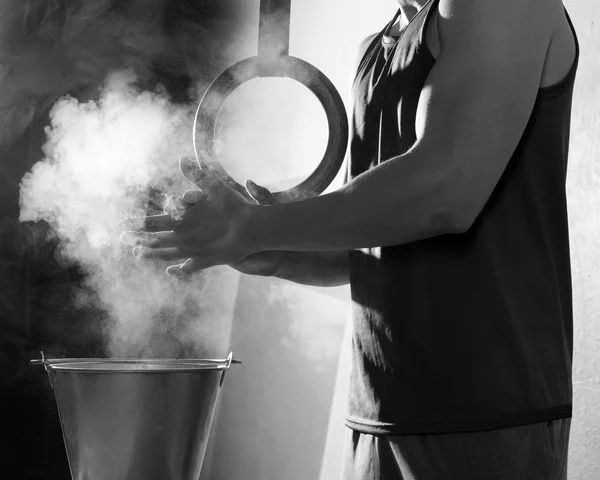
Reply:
x=135, y=365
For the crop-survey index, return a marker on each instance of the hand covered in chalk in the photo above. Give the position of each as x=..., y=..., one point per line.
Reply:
x=207, y=233
x=261, y=263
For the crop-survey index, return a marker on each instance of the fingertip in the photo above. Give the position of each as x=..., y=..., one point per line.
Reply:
x=255, y=191
x=174, y=271
x=259, y=189
x=124, y=224
x=126, y=238
x=178, y=270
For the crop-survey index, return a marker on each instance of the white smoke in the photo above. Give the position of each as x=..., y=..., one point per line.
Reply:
x=101, y=160
x=109, y=159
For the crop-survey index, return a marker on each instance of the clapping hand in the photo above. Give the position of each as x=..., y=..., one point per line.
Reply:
x=203, y=228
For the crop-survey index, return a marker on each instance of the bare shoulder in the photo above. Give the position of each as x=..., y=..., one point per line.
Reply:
x=540, y=27
x=527, y=19
x=561, y=53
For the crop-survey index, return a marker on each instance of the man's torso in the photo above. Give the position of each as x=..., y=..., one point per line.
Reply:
x=454, y=333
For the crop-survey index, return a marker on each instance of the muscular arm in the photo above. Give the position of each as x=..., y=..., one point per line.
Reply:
x=472, y=113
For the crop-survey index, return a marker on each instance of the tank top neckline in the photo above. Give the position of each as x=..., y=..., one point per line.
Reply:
x=394, y=40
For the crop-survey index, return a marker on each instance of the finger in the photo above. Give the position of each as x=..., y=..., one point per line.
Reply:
x=150, y=240
x=261, y=195
x=132, y=224
x=191, y=265
x=159, y=253
x=160, y=223
x=178, y=271
x=155, y=223
x=175, y=270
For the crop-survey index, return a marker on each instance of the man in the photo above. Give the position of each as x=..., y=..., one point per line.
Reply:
x=454, y=216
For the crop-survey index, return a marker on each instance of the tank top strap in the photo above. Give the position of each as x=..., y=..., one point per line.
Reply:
x=428, y=10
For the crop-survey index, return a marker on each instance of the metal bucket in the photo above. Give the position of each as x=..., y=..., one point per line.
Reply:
x=130, y=419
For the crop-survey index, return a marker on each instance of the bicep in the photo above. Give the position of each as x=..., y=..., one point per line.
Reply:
x=479, y=95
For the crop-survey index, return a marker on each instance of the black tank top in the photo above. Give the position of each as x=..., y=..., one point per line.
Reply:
x=472, y=331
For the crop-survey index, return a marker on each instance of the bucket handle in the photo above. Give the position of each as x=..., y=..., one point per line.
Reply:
x=46, y=365
x=228, y=366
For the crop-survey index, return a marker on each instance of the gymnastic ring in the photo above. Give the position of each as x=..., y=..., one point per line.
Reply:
x=285, y=66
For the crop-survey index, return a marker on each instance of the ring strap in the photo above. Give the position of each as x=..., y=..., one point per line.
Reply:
x=274, y=28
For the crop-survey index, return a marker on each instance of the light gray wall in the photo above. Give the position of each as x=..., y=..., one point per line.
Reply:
x=584, y=211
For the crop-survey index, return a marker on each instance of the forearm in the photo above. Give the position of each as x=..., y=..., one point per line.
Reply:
x=406, y=199
x=319, y=269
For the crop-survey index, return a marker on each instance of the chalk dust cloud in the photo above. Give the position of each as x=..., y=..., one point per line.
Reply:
x=103, y=160
x=116, y=156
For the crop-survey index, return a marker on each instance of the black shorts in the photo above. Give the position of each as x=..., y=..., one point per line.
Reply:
x=532, y=452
